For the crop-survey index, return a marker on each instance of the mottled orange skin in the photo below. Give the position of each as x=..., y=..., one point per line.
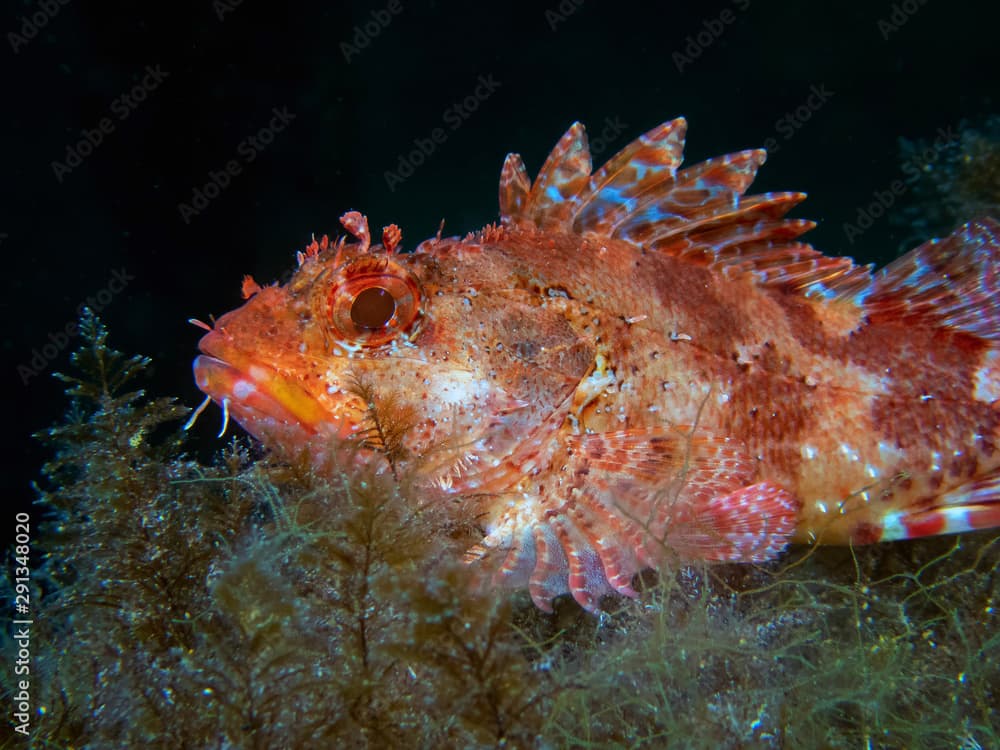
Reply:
x=540, y=362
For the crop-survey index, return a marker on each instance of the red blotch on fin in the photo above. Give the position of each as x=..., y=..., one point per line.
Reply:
x=973, y=506
x=925, y=524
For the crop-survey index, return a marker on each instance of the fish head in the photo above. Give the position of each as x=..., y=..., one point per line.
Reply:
x=431, y=361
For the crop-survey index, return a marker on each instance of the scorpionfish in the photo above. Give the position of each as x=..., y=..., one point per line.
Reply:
x=637, y=364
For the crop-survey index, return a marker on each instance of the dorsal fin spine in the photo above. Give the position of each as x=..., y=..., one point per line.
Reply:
x=951, y=283
x=639, y=195
x=702, y=215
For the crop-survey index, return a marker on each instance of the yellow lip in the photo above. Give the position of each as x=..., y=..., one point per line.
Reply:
x=257, y=396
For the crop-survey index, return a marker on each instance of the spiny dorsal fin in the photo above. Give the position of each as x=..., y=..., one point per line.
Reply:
x=634, y=171
x=562, y=177
x=514, y=187
x=953, y=283
x=699, y=214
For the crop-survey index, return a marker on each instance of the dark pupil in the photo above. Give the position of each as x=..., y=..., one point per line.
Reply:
x=373, y=308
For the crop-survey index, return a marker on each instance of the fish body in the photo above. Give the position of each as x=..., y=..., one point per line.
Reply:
x=638, y=363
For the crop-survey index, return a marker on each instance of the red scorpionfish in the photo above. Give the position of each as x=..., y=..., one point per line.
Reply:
x=637, y=362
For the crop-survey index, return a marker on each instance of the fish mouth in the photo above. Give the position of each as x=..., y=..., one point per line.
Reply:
x=258, y=396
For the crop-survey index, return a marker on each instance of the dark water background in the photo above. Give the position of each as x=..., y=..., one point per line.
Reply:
x=362, y=84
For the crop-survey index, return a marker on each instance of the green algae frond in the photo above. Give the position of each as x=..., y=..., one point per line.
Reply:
x=250, y=603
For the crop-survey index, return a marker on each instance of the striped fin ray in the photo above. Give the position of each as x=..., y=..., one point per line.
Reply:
x=514, y=187
x=953, y=282
x=564, y=174
x=637, y=169
x=718, y=215
x=698, y=192
x=699, y=214
x=635, y=495
x=766, y=250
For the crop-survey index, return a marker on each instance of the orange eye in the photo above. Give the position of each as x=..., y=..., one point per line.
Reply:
x=372, y=302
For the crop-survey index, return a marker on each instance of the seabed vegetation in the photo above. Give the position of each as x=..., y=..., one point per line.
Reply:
x=250, y=603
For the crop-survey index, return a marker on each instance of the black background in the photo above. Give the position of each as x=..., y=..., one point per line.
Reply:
x=354, y=118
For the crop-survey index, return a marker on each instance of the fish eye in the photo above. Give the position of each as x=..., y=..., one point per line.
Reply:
x=368, y=301
x=373, y=308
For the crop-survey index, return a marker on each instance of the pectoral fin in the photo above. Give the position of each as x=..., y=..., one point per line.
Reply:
x=631, y=499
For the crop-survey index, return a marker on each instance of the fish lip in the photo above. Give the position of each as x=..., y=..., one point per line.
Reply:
x=247, y=399
x=207, y=365
x=263, y=402
x=259, y=396
x=212, y=344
